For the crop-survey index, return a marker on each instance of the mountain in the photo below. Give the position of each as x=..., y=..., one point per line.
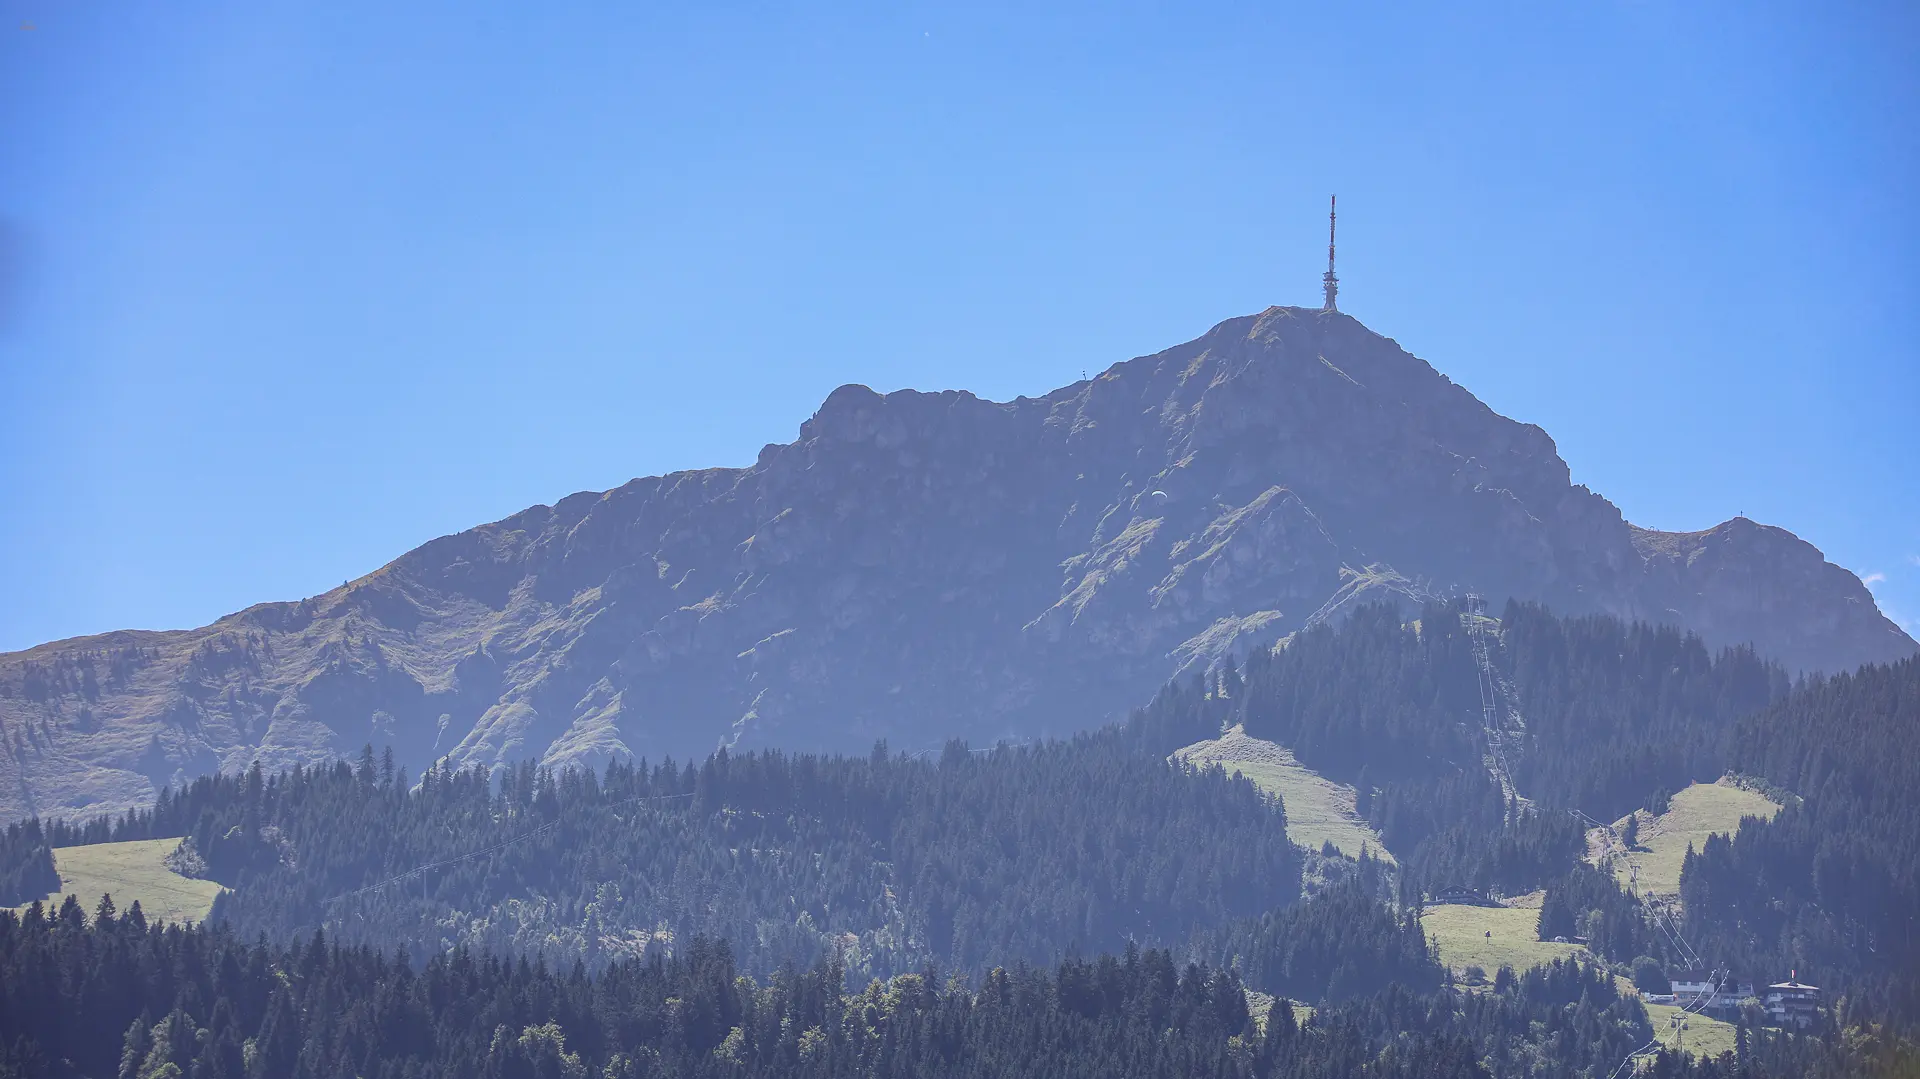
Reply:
x=918, y=566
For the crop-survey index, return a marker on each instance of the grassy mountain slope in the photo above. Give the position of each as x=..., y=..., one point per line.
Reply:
x=1319, y=811
x=1699, y=811
x=132, y=871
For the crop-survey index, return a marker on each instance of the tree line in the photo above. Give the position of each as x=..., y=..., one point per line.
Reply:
x=1618, y=715
x=973, y=860
x=1351, y=938
x=968, y=860
x=111, y=995
x=26, y=864
x=1830, y=886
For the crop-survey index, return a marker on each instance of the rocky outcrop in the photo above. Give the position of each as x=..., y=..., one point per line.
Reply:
x=918, y=566
x=1742, y=581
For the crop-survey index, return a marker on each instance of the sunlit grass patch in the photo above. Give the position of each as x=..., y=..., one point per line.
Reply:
x=1319, y=811
x=134, y=870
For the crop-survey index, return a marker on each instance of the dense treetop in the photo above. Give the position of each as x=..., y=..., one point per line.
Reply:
x=1831, y=885
x=1616, y=716
x=113, y=996
x=970, y=860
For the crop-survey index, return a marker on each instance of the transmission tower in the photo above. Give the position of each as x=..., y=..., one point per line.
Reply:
x=1331, y=282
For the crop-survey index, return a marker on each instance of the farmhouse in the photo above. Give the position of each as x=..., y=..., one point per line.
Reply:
x=1721, y=998
x=1792, y=1002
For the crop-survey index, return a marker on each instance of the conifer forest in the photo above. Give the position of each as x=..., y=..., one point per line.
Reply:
x=1086, y=906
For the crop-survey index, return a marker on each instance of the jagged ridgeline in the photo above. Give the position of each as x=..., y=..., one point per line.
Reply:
x=968, y=860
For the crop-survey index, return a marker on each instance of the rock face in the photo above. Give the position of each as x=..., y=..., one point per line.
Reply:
x=915, y=567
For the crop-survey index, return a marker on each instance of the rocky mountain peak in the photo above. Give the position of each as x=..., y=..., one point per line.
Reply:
x=917, y=566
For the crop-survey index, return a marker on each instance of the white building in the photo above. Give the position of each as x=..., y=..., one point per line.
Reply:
x=1725, y=996
x=1792, y=1002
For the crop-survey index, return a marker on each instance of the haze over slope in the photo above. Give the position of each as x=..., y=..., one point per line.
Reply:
x=918, y=566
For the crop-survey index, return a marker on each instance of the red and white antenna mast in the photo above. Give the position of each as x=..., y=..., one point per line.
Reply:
x=1331, y=282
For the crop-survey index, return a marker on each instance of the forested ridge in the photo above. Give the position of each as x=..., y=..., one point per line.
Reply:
x=1831, y=885
x=1351, y=938
x=1620, y=715
x=1617, y=716
x=886, y=864
x=110, y=995
x=1088, y=840
x=968, y=860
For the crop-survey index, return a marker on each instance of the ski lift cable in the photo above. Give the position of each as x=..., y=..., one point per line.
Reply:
x=1657, y=914
x=1668, y=928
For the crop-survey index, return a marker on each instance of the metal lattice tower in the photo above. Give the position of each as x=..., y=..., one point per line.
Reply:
x=1331, y=282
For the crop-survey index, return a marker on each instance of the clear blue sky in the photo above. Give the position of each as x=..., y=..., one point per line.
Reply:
x=290, y=288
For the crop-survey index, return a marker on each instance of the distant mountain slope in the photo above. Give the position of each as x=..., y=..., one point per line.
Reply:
x=918, y=566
